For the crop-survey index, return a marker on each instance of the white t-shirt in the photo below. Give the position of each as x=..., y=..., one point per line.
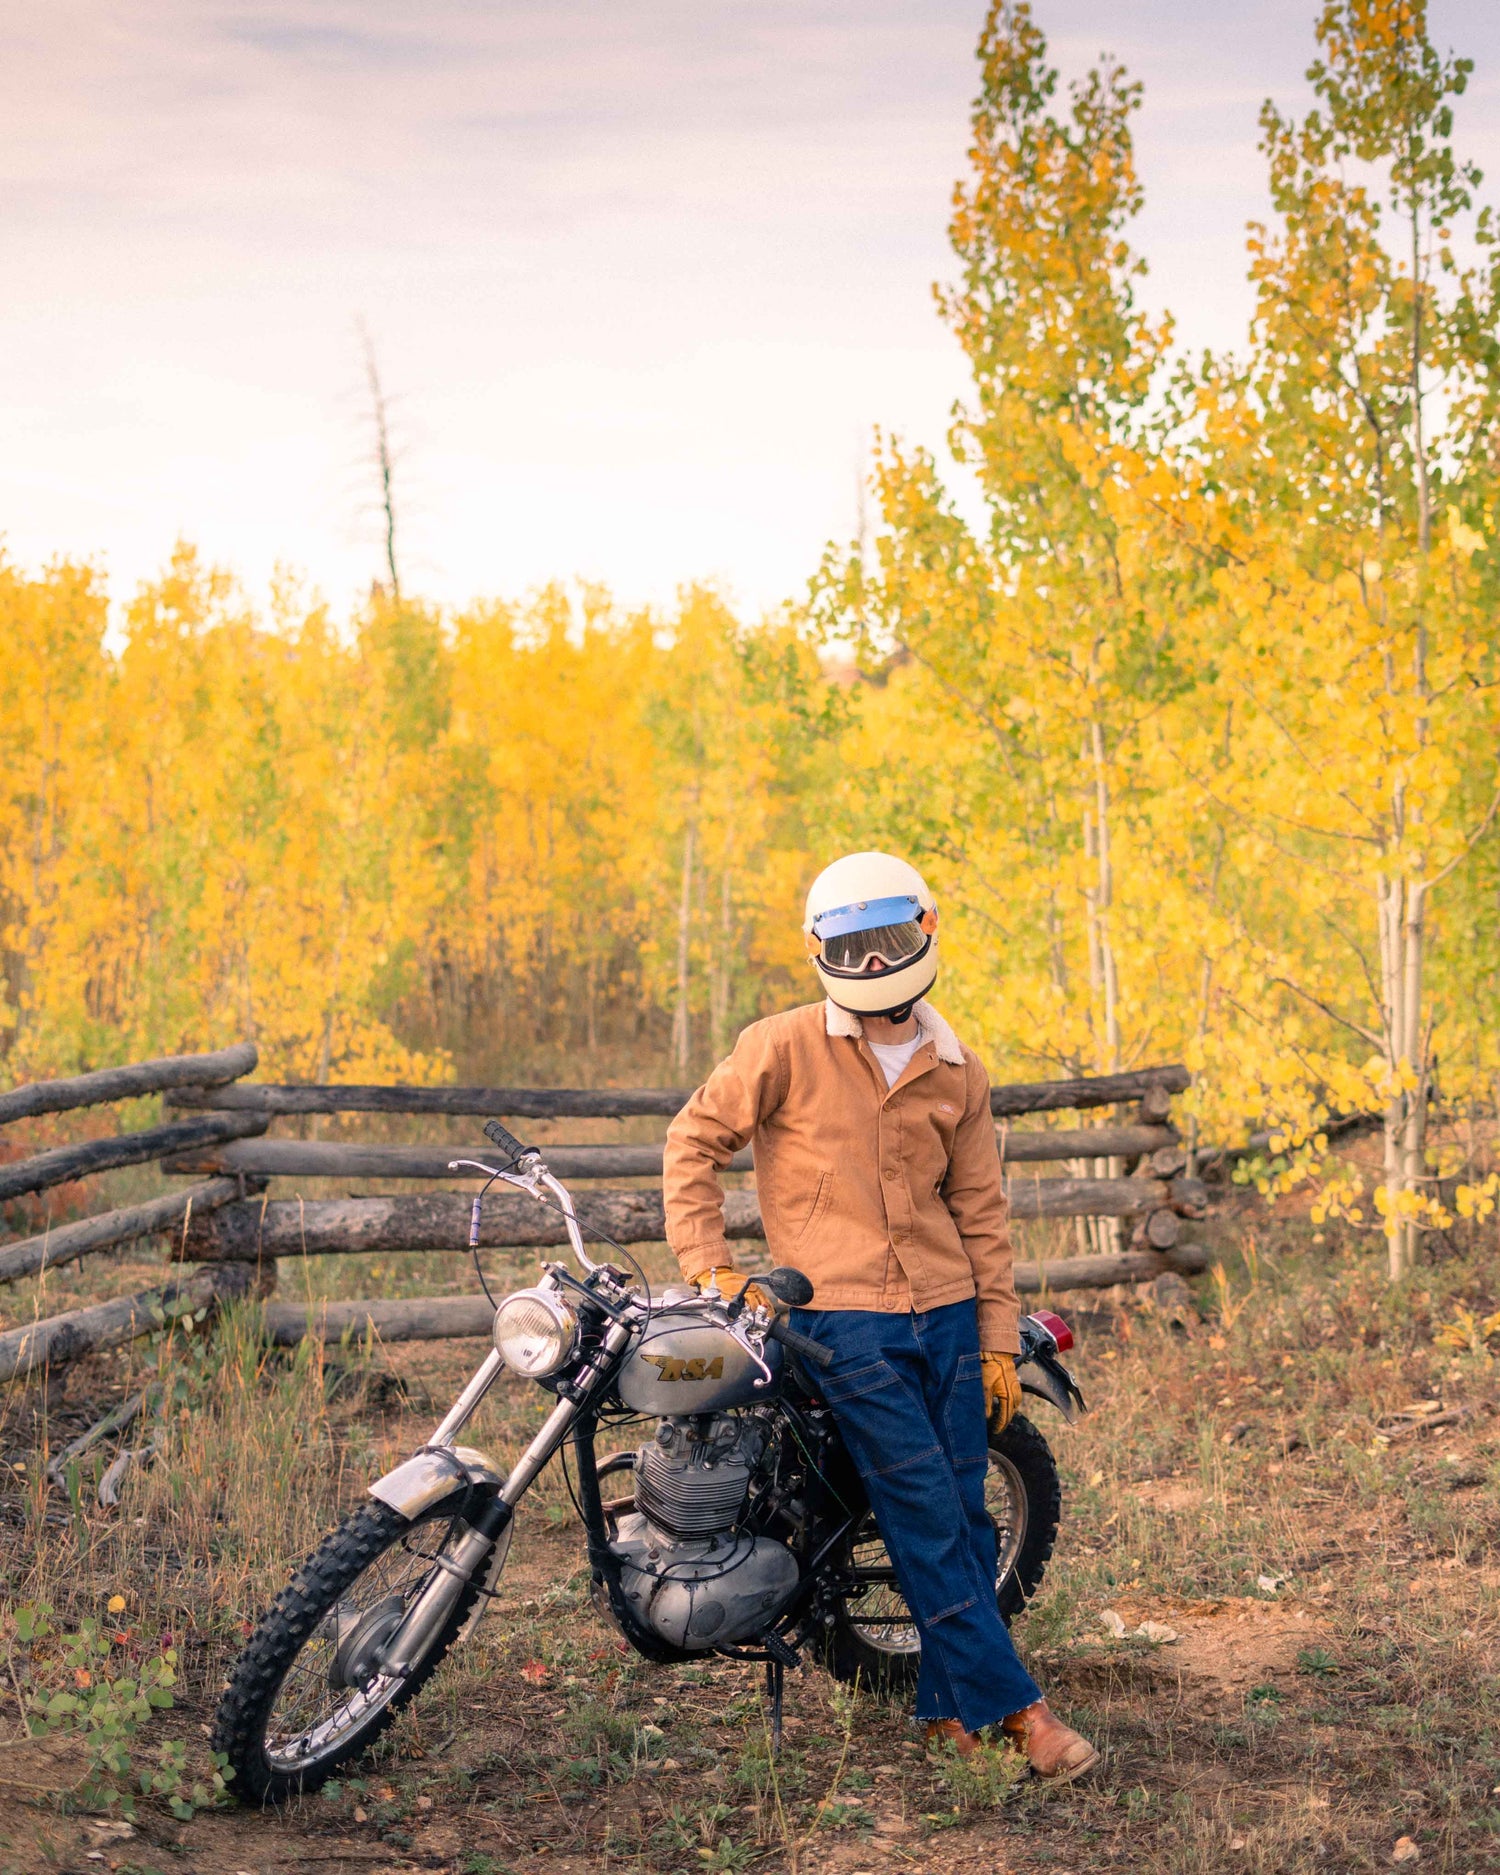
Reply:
x=893, y=1056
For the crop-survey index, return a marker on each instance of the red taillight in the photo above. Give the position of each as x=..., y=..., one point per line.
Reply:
x=1056, y=1327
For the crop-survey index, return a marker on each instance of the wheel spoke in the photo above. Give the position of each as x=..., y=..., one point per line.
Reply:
x=312, y=1715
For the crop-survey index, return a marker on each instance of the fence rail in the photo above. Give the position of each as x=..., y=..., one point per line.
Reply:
x=237, y=1240
x=620, y=1103
x=144, y=1077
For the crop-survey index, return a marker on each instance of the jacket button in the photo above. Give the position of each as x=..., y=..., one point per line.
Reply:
x=891, y=1172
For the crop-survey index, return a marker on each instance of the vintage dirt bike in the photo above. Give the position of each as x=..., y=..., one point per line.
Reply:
x=739, y=1527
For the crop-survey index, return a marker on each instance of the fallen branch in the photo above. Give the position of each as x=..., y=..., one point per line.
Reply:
x=1214, y=1161
x=65, y=1163
x=63, y=1338
x=111, y=1228
x=117, y=1420
x=144, y=1077
x=114, y=1477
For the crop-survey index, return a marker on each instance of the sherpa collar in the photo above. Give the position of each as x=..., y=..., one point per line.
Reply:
x=930, y=1025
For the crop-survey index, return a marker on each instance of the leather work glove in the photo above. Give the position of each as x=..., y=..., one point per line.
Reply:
x=732, y=1281
x=1002, y=1389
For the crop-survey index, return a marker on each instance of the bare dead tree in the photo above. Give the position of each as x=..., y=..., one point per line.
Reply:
x=384, y=457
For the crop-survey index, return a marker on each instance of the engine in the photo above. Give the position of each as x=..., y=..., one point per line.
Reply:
x=689, y=1574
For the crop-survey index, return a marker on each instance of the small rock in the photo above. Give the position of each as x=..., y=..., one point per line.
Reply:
x=107, y=1831
x=424, y=1803
x=1238, y=1843
x=1268, y=1585
x=1157, y=1632
x=1405, y=1850
x=361, y=1814
x=1113, y=1622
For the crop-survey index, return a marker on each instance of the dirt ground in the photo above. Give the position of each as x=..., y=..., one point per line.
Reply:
x=1273, y=1605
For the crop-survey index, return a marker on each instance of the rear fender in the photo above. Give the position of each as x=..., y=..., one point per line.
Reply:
x=432, y=1474
x=1049, y=1380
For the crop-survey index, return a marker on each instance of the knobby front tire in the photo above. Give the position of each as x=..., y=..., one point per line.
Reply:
x=289, y=1718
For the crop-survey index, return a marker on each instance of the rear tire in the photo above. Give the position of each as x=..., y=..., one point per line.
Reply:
x=312, y=1615
x=883, y=1652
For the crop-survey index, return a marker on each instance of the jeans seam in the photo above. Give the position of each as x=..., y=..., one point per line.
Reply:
x=916, y=1458
x=931, y=1621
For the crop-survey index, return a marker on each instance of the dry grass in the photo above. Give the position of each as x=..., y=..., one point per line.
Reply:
x=1302, y=1727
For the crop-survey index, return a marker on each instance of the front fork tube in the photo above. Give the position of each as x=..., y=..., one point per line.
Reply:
x=465, y=1554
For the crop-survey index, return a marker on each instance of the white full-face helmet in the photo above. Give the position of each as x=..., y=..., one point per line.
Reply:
x=871, y=929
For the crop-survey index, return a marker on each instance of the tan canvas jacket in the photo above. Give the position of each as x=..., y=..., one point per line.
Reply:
x=887, y=1199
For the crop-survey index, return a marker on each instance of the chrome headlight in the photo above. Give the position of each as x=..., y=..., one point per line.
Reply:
x=535, y=1332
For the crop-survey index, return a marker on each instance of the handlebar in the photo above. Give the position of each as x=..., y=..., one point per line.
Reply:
x=801, y=1345
x=506, y=1141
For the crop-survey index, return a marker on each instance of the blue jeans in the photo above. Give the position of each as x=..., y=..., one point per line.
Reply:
x=907, y=1393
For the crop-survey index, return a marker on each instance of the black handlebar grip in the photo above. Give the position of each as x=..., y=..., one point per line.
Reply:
x=802, y=1345
x=505, y=1140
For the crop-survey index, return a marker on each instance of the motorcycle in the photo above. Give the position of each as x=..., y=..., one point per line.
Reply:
x=739, y=1527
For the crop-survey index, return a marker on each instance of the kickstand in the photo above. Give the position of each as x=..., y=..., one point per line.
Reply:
x=775, y=1677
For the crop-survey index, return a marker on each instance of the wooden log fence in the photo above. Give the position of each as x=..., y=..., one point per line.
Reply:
x=144, y=1077
x=288, y=1227
x=1153, y=1085
x=63, y=1164
x=441, y=1318
x=110, y=1229
x=63, y=1338
x=320, y=1158
x=218, y=1225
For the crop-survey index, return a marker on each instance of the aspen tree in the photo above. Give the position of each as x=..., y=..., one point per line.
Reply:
x=1352, y=635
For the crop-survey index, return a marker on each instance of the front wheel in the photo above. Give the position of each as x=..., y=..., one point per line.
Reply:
x=307, y=1693
x=874, y=1637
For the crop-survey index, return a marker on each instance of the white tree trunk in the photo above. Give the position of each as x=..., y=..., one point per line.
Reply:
x=1402, y=912
x=681, y=1031
x=721, y=972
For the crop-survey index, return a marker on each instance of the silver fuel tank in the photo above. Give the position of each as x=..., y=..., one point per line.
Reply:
x=683, y=1364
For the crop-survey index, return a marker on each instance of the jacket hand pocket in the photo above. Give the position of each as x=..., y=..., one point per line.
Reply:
x=822, y=1198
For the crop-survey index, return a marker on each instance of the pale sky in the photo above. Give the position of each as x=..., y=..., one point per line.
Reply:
x=641, y=274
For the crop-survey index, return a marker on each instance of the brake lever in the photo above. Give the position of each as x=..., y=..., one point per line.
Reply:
x=523, y=1181
x=742, y=1334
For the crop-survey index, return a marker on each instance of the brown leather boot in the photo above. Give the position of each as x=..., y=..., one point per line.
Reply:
x=942, y=1732
x=1053, y=1750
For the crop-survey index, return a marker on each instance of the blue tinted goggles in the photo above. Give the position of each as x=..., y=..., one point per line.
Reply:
x=891, y=929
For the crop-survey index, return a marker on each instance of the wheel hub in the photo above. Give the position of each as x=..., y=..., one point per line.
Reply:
x=357, y=1660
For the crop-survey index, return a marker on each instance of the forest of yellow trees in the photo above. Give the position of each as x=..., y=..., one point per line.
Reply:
x=1196, y=732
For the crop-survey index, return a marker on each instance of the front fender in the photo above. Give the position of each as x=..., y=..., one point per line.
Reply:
x=432, y=1474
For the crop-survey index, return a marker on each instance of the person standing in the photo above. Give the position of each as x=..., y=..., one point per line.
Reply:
x=878, y=1177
